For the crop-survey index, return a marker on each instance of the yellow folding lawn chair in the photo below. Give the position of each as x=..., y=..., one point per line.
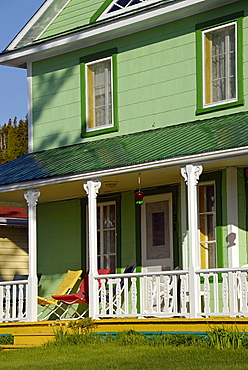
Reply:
x=52, y=305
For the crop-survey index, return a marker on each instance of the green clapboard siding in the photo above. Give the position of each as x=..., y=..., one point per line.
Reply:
x=76, y=14
x=59, y=242
x=156, y=73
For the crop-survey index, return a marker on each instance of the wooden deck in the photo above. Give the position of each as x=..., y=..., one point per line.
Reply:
x=38, y=333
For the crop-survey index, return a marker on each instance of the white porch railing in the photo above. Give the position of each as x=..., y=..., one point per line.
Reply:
x=13, y=295
x=159, y=294
x=223, y=292
x=219, y=292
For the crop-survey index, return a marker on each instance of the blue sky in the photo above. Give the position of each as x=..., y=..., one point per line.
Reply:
x=13, y=88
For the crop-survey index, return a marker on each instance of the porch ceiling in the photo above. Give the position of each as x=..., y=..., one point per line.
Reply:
x=60, y=171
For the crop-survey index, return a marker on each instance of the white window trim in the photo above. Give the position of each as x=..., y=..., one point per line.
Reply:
x=213, y=241
x=86, y=94
x=204, y=65
x=152, y=199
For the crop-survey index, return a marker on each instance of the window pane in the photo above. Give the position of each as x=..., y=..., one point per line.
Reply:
x=220, y=65
x=109, y=242
x=157, y=224
x=210, y=204
x=106, y=237
x=158, y=228
x=99, y=92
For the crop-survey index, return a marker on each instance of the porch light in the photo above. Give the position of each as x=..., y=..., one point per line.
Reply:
x=139, y=195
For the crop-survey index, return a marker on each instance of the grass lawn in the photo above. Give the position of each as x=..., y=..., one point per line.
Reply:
x=111, y=356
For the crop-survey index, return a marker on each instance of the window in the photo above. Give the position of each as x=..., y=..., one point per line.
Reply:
x=99, y=93
x=106, y=236
x=219, y=67
x=207, y=225
x=117, y=7
x=220, y=70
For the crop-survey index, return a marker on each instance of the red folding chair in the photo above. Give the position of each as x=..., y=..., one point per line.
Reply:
x=82, y=296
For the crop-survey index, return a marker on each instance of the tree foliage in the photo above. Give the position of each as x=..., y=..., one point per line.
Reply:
x=13, y=140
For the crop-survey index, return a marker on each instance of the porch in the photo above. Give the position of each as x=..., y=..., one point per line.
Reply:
x=209, y=281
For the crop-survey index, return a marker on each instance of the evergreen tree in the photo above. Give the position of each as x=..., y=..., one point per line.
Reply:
x=13, y=140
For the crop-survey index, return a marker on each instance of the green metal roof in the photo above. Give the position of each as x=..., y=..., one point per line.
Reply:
x=202, y=136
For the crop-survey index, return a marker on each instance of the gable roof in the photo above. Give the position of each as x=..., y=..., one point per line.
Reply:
x=173, y=142
x=41, y=39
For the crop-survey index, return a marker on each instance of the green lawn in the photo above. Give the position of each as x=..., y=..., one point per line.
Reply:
x=111, y=356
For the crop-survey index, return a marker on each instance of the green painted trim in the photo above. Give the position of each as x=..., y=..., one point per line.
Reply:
x=217, y=178
x=199, y=71
x=117, y=199
x=102, y=8
x=89, y=58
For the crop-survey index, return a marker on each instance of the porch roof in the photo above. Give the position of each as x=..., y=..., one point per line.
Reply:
x=201, y=136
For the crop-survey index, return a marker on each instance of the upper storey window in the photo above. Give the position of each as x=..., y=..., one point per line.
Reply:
x=219, y=66
x=99, y=92
x=220, y=69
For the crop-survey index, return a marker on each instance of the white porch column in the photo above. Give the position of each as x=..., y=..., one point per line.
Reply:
x=92, y=187
x=191, y=174
x=232, y=216
x=31, y=197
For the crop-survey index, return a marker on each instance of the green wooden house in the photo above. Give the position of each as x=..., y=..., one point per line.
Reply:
x=129, y=97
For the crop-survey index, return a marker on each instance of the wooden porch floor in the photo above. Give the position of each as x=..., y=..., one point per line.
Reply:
x=38, y=333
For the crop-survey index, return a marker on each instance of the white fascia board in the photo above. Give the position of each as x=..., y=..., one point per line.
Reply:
x=116, y=27
x=171, y=162
x=30, y=24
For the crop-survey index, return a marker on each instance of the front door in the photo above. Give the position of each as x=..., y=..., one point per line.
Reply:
x=157, y=241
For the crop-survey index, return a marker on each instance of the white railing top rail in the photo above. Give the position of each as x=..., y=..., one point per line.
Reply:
x=221, y=269
x=142, y=274
x=13, y=282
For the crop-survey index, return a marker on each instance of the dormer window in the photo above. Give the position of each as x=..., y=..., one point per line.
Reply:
x=118, y=7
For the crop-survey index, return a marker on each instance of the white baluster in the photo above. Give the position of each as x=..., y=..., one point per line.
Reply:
x=206, y=293
x=149, y=293
x=20, y=301
x=14, y=302
x=225, y=293
x=118, y=296
x=125, y=287
x=103, y=296
x=216, y=293
x=7, y=303
x=244, y=308
x=166, y=293
x=110, y=284
x=134, y=295
x=183, y=293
